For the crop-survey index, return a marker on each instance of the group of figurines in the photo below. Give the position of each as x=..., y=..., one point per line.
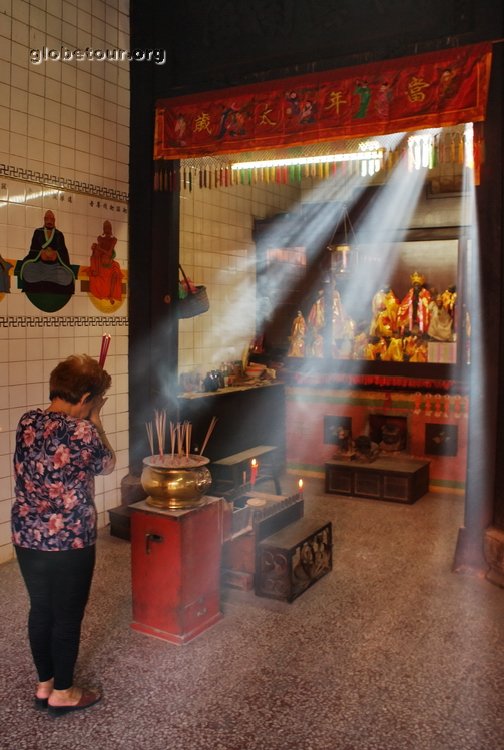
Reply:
x=399, y=330
x=363, y=448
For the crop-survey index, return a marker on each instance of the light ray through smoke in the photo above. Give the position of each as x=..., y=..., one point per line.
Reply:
x=383, y=224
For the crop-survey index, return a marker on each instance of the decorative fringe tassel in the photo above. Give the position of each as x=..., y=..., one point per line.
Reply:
x=444, y=149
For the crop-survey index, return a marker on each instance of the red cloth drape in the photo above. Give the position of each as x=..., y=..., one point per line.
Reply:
x=436, y=89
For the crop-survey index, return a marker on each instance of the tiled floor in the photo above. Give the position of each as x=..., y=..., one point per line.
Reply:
x=390, y=651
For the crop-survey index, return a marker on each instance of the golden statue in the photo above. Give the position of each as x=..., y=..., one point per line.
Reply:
x=297, y=337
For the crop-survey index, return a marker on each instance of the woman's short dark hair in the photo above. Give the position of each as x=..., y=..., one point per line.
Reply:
x=77, y=375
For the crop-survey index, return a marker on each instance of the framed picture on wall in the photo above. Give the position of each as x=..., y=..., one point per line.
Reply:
x=441, y=439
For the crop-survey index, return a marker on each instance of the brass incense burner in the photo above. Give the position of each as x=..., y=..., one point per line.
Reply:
x=175, y=482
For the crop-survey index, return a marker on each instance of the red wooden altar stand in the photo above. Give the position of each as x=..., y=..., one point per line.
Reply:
x=175, y=566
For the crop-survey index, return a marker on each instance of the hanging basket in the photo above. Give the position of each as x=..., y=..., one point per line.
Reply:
x=196, y=300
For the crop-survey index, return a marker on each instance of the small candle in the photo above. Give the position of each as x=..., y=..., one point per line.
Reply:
x=254, y=467
x=300, y=486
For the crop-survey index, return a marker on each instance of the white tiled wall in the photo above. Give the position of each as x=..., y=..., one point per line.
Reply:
x=67, y=120
x=217, y=250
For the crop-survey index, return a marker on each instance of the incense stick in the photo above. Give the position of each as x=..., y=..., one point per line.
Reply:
x=105, y=343
x=179, y=440
x=180, y=437
x=172, y=439
x=207, y=436
x=188, y=439
x=150, y=437
x=160, y=420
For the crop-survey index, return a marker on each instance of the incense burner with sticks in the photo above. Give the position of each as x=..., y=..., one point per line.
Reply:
x=179, y=479
x=175, y=482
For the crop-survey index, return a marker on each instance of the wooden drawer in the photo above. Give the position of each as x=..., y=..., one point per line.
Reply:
x=194, y=616
x=367, y=483
x=339, y=482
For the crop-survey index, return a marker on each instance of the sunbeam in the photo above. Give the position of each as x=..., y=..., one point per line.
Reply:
x=312, y=226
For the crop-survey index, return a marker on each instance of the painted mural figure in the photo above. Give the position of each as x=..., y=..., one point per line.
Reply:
x=364, y=93
x=307, y=113
x=46, y=268
x=5, y=266
x=232, y=122
x=105, y=275
x=180, y=129
x=293, y=108
x=383, y=100
x=448, y=85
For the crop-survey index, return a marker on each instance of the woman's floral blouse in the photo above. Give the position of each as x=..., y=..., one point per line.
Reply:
x=55, y=462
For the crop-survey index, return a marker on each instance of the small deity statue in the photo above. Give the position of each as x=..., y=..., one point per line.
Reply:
x=338, y=316
x=344, y=443
x=449, y=297
x=316, y=321
x=384, y=306
x=297, y=337
x=316, y=316
x=391, y=438
x=410, y=345
x=365, y=449
x=342, y=324
x=316, y=344
x=441, y=322
x=415, y=348
x=413, y=313
x=376, y=347
x=359, y=345
x=394, y=351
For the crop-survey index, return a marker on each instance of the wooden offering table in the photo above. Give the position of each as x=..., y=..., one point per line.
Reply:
x=246, y=526
x=175, y=569
x=270, y=546
x=401, y=480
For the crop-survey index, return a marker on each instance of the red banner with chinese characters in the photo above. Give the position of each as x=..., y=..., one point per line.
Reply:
x=436, y=89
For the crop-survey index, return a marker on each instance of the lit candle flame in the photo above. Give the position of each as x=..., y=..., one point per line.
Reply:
x=254, y=467
x=300, y=486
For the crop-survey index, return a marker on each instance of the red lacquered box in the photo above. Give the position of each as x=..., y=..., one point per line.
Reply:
x=175, y=569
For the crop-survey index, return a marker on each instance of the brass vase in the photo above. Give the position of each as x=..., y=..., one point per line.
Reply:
x=175, y=483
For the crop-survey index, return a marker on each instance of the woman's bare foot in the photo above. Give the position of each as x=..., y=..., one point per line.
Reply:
x=73, y=699
x=44, y=689
x=69, y=697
